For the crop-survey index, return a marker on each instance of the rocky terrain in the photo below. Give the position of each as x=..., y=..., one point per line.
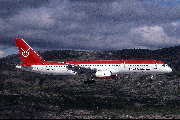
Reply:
x=30, y=95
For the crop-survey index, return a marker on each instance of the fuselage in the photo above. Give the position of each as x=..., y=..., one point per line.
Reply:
x=116, y=67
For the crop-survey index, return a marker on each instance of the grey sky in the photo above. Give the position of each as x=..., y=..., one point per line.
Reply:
x=89, y=24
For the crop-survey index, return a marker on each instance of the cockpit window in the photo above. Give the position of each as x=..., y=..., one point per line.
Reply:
x=164, y=65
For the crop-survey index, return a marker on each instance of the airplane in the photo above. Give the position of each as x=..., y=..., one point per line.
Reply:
x=95, y=69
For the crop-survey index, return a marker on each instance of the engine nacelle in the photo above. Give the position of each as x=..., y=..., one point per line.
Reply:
x=104, y=75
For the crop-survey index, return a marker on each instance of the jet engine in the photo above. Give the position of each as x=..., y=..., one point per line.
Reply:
x=104, y=75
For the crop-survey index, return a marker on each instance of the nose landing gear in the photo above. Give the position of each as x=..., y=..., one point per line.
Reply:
x=89, y=81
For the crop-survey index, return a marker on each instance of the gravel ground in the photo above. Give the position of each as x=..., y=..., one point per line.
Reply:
x=129, y=97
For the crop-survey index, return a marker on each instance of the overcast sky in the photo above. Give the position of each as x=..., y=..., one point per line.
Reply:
x=89, y=24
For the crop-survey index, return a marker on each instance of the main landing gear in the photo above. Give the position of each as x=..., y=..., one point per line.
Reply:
x=89, y=81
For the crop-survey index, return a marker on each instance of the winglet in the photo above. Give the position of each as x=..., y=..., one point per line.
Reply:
x=28, y=55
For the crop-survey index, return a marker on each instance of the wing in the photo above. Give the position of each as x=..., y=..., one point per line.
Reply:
x=80, y=70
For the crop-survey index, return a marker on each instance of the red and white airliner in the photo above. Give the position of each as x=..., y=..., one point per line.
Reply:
x=100, y=69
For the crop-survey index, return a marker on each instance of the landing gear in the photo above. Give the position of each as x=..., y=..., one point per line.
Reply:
x=89, y=81
x=152, y=77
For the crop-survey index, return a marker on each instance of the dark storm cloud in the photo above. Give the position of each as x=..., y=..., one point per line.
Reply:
x=90, y=25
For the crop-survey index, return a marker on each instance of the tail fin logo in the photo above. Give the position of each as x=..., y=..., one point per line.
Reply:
x=25, y=53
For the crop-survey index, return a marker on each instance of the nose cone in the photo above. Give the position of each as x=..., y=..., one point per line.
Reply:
x=169, y=70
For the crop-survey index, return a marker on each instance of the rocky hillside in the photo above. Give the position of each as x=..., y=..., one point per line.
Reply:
x=30, y=95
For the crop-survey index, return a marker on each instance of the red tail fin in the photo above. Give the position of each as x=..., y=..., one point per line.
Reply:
x=28, y=55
